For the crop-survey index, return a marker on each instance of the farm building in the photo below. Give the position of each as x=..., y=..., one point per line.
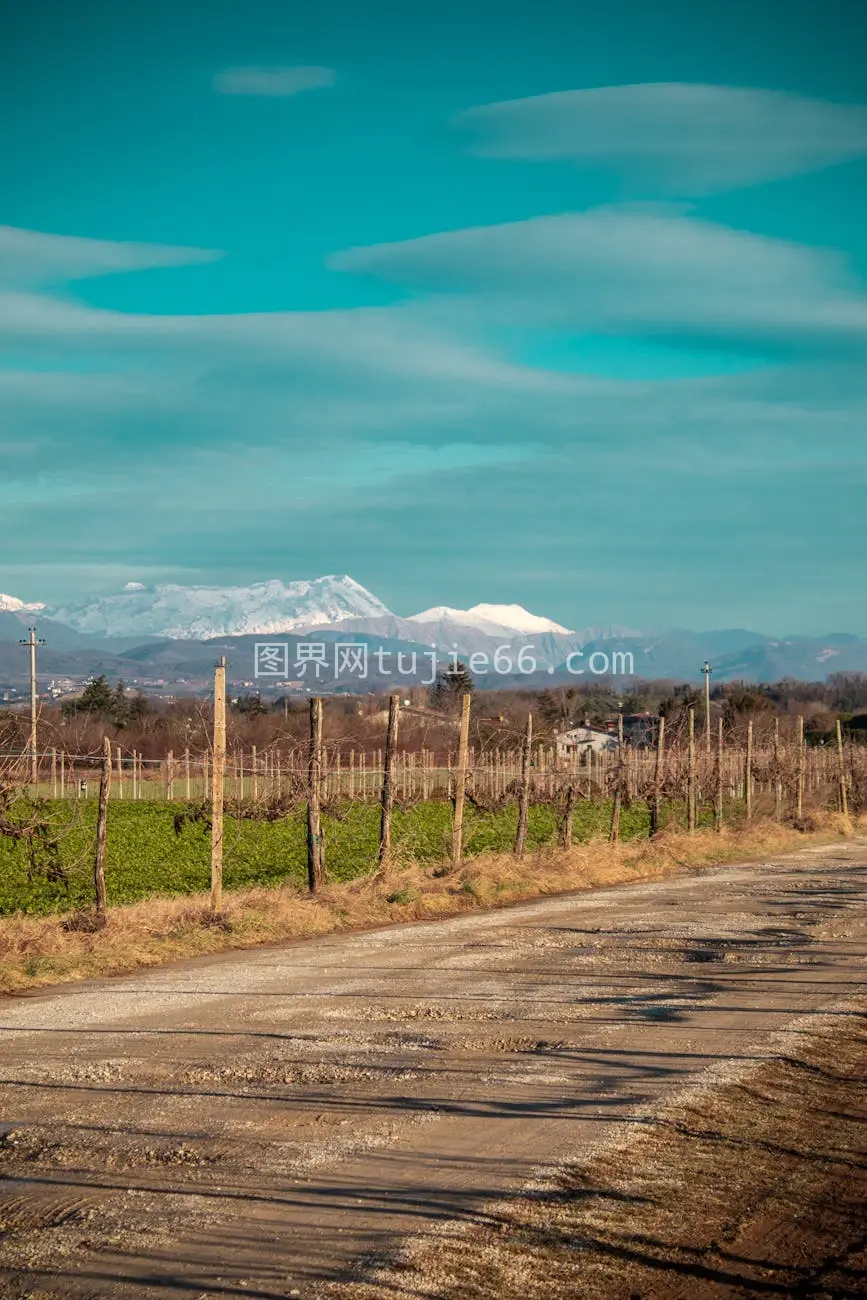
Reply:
x=577, y=740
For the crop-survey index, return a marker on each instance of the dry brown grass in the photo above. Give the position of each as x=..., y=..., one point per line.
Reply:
x=44, y=950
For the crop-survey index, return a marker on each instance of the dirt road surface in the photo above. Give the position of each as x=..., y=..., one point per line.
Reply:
x=271, y=1122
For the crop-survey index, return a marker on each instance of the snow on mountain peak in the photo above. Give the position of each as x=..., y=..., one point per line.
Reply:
x=515, y=616
x=495, y=620
x=12, y=605
x=197, y=613
x=436, y=614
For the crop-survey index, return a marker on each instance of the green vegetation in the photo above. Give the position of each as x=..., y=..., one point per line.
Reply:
x=52, y=872
x=99, y=701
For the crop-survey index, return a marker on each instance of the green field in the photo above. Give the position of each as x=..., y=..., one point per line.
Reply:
x=145, y=854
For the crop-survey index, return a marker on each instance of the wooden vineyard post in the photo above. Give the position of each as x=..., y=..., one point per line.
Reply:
x=187, y=791
x=799, y=780
x=118, y=757
x=134, y=776
x=54, y=773
x=461, y=782
x=718, y=793
x=314, y=816
x=524, y=801
x=170, y=776
x=690, y=774
x=101, y=827
x=841, y=769
x=748, y=774
x=205, y=775
x=387, y=797
x=656, y=809
x=63, y=773
x=617, y=804
x=778, y=780
x=217, y=779
x=254, y=788
x=568, y=817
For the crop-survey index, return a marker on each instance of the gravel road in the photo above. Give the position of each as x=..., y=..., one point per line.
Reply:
x=262, y=1123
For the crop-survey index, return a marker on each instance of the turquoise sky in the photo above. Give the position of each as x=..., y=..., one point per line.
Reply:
x=561, y=304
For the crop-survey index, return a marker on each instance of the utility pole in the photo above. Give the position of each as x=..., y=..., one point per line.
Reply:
x=32, y=642
x=707, y=670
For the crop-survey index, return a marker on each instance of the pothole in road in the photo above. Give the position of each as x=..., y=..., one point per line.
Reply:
x=38, y=1145
x=300, y=1075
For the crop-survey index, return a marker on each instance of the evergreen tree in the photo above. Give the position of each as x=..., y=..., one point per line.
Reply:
x=121, y=705
x=97, y=697
x=253, y=705
x=137, y=707
x=451, y=684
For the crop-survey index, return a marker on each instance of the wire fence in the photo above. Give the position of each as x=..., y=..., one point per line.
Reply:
x=685, y=777
x=277, y=773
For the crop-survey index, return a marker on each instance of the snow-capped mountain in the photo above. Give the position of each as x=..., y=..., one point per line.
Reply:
x=12, y=605
x=197, y=613
x=105, y=634
x=494, y=620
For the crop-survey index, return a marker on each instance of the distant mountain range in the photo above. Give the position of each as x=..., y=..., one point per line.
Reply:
x=197, y=613
x=172, y=634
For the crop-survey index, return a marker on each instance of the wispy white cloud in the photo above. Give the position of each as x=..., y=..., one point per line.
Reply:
x=30, y=258
x=640, y=272
x=310, y=435
x=278, y=82
x=673, y=137
x=347, y=351
x=295, y=471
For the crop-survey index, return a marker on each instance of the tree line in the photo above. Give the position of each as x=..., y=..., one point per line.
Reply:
x=153, y=726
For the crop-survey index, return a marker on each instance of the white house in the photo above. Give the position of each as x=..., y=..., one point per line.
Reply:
x=577, y=740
